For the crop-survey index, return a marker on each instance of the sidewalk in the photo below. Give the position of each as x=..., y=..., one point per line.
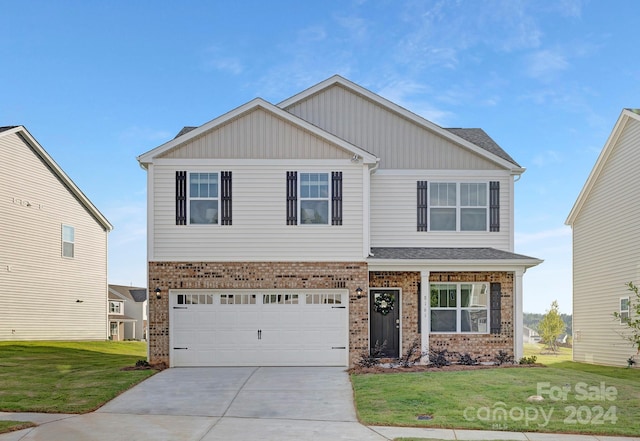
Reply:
x=472, y=435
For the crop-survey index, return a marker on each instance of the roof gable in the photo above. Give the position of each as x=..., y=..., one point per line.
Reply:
x=474, y=141
x=628, y=116
x=24, y=135
x=269, y=123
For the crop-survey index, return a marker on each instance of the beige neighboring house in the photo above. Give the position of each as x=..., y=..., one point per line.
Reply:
x=606, y=247
x=530, y=336
x=303, y=233
x=127, y=313
x=53, y=248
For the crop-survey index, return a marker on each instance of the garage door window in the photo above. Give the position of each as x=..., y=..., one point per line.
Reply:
x=280, y=299
x=237, y=299
x=324, y=299
x=195, y=299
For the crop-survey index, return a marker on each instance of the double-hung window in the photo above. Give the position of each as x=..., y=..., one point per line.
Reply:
x=459, y=307
x=624, y=309
x=458, y=206
x=115, y=307
x=314, y=198
x=68, y=241
x=203, y=198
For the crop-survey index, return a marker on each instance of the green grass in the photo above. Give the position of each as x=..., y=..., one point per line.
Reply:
x=10, y=426
x=397, y=399
x=66, y=377
x=545, y=357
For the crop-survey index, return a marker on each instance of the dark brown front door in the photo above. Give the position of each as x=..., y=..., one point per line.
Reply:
x=384, y=316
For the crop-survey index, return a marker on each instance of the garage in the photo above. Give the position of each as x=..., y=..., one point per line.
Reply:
x=259, y=328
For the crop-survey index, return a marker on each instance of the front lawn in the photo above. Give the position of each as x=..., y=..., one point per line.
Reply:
x=579, y=398
x=66, y=377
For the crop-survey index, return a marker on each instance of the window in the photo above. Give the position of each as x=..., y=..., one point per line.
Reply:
x=203, y=198
x=458, y=206
x=281, y=299
x=113, y=329
x=68, y=241
x=309, y=198
x=115, y=307
x=314, y=198
x=459, y=308
x=624, y=309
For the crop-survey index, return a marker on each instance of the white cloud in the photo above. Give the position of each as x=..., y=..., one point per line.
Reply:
x=544, y=64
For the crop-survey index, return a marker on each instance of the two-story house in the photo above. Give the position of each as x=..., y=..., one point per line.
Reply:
x=127, y=313
x=306, y=232
x=53, y=248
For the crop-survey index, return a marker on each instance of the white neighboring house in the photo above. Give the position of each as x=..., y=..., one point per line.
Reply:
x=606, y=247
x=127, y=313
x=530, y=335
x=53, y=248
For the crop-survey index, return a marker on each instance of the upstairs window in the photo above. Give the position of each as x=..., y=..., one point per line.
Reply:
x=314, y=198
x=203, y=198
x=68, y=241
x=115, y=307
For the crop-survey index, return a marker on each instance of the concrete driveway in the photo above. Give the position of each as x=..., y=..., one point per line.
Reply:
x=208, y=404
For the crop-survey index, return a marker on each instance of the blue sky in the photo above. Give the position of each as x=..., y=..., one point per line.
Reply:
x=99, y=83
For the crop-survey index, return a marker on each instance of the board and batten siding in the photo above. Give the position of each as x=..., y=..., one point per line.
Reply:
x=397, y=141
x=606, y=254
x=257, y=135
x=39, y=288
x=259, y=231
x=394, y=212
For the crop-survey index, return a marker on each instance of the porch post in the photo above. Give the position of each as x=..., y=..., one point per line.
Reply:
x=424, y=314
x=517, y=312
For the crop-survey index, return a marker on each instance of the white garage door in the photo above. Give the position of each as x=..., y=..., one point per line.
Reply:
x=259, y=328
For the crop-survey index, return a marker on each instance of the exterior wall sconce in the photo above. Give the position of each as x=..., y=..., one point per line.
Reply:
x=158, y=292
x=359, y=292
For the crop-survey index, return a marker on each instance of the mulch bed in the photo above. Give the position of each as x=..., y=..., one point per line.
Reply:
x=428, y=368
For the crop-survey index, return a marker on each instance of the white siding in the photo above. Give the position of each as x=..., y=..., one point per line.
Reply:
x=38, y=287
x=257, y=135
x=398, y=142
x=259, y=231
x=606, y=249
x=394, y=212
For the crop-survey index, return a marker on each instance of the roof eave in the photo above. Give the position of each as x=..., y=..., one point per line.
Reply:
x=452, y=264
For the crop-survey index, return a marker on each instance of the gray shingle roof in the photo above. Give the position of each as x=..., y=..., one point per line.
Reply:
x=445, y=254
x=134, y=293
x=480, y=138
x=2, y=129
x=185, y=129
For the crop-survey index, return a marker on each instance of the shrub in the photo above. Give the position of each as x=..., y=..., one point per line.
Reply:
x=413, y=354
x=372, y=357
x=503, y=357
x=440, y=358
x=467, y=360
x=528, y=360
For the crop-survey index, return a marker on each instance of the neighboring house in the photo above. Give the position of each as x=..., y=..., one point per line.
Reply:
x=530, y=335
x=53, y=248
x=127, y=313
x=305, y=232
x=606, y=247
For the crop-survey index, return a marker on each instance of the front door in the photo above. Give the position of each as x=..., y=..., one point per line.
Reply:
x=384, y=313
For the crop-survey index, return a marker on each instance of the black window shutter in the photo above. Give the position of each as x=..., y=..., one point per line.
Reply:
x=422, y=206
x=496, y=308
x=226, y=197
x=181, y=198
x=292, y=198
x=336, y=198
x=494, y=206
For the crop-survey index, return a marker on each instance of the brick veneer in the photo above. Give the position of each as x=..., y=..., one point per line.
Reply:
x=256, y=275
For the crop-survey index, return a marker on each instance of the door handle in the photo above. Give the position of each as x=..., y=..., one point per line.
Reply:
x=259, y=334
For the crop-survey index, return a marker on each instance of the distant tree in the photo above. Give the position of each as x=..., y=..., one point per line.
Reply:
x=551, y=326
x=632, y=319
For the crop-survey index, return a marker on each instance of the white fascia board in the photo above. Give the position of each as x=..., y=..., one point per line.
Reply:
x=66, y=180
x=253, y=162
x=149, y=156
x=444, y=173
x=337, y=79
x=451, y=265
x=600, y=163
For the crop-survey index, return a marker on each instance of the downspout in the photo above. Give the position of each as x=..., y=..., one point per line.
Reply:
x=372, y=170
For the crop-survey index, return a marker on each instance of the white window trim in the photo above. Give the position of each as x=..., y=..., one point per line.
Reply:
x=328, y=198
x=111, y=327
x=628, y=311
x=119, y=303
x=459, y=309
x=189, y=198
x=458, y=207
x=62, y=241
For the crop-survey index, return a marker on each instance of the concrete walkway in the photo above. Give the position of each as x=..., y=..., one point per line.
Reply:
x=267, y=404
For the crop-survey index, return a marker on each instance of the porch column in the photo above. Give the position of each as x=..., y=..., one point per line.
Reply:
x=424, y=314
x=517, y=313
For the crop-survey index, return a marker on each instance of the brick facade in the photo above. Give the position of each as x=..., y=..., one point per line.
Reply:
x=328, y=275
x=256, y=275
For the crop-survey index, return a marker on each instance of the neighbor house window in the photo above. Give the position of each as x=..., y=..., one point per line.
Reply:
x=459, y=307
x=115, y=307
x=203, y=198
x=458, y=206
x=114, y=329
x=624, y=309
x=68, y=241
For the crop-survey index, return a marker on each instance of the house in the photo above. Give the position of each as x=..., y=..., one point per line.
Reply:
x=127, y=313
x=53, y=248
x=307, y=232
x=530, y=336
x=606, y=247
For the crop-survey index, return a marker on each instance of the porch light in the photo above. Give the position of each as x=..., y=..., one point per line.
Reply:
x=359, y=292
x=158, y=293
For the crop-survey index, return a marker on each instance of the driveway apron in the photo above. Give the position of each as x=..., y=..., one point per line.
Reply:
x=209, y=404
